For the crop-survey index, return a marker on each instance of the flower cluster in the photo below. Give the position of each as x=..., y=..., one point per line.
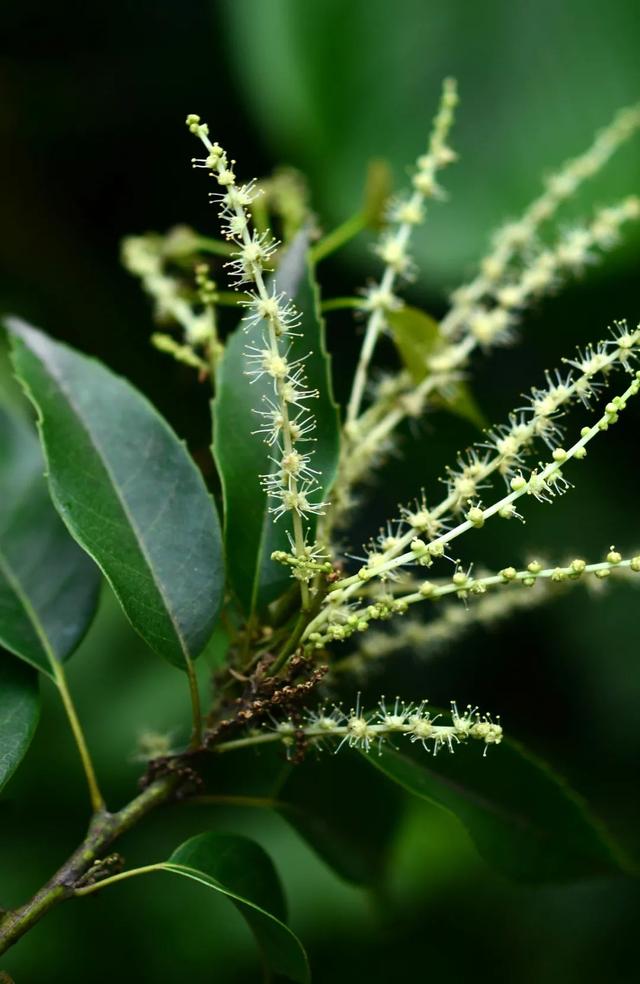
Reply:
x=516, y=238
x=366, y=730
x=503, y=453
x=396, y=572
x=287, y=421
x=339, y=619
x=490, y=324
x=146, y=257
x=393, y=249
x=518, y=271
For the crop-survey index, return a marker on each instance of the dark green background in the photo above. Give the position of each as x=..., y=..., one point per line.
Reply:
x=93, y=146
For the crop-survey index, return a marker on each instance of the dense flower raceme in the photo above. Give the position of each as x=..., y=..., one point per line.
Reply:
x=368, y=731
x=287, y=420
x=339, y=620
x=487, y=601
x=515, y=239
x=505, y=448
x=421, y=536
x=393, y=249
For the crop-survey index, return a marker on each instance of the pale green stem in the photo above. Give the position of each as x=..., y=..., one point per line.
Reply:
x=339, y=237
x=196, y=709
x=341, y=303
x=215, y=246
x=261, y=739
x=60, y=680
x=375, y=325
x=132, y=873
x=97, y=801
x=228, y=298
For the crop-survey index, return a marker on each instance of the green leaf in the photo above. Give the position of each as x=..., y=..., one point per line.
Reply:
x=251, y=534
x=417, y=337
x=523, y=819
x=240, y=869
x=48, y=585
x=306, y=800
x=19, y=712
x=129, y=493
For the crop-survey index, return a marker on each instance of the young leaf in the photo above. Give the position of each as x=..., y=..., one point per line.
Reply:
x=251, y=534
x=417, y=338
x=19, y=712
x=129, y=493
x=240, y=869
x=377, y=193
x=523, y=819
x=48, y=585
x=460, y=401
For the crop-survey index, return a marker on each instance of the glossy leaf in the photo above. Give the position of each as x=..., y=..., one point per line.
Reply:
x=306, y=800
x=129, y=493
x=251, y=534
x=417, y=339
x=523, y=819
x=48, y=585
x=240, y=869
x=305, y=796
x=19, y=712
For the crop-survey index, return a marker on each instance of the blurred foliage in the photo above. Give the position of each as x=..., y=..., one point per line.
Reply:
x=93, y=148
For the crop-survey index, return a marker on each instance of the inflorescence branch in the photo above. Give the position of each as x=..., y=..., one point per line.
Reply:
x=517, y=272
x=287, y=421
x=371, y=730
x=344, y=620
x=516, y=237
x=504, y=449
x=544, y=483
